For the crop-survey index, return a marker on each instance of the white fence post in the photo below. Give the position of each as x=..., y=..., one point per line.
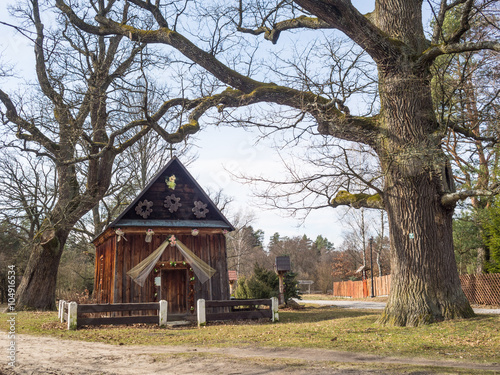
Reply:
x=162, y=313
x=201, y=312
x=72, y=315
x=63, y=307
x=60, y=312
x=274, y=308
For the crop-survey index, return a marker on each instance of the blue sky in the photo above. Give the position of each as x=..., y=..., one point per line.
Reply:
x=227, y=149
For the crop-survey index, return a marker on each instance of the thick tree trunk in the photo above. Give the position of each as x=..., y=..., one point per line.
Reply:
x=425, y=285
x=38, y=286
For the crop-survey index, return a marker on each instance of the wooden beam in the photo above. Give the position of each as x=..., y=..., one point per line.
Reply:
x=118, y=320
x=238, y=315
x=239, y=302
x=83, y=309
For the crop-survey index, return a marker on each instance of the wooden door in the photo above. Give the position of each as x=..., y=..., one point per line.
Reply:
x=174, y=290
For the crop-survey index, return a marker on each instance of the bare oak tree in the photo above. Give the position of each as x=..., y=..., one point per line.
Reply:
x=417, y=190
x=79, y=124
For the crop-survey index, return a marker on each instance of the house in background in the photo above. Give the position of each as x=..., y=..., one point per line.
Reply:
x=175, y=218
x=233, y=281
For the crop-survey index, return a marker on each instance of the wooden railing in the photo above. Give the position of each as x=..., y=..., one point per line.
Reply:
x=237, y=309
x=76, y=317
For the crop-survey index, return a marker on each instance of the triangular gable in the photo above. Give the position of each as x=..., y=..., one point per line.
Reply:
x=166, y=205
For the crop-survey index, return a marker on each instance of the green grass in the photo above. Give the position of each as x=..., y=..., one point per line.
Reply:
x=476, y=339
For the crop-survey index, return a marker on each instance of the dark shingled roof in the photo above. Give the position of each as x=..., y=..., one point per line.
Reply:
x=164, y=211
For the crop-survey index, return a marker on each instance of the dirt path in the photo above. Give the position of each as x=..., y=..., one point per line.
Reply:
x=48, y=355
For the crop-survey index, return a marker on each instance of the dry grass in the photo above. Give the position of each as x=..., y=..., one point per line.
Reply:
x=476, y=340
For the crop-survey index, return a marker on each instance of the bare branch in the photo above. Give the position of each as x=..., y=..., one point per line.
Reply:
x=41, y=69
x=452, y=198
x=154, y=10
x=35, y=133
x=301, y=22
x=169, y=37
x=343, y=16
x=464, y=22
x=445, y=49
x=66, y=9
x=470, y=134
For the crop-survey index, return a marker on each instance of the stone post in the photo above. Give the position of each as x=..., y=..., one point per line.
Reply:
x=274, y=308
x=202, y=315
x=162, y=313
x=72, y=315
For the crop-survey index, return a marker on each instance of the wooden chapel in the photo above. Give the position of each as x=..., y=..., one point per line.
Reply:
x=171, y=209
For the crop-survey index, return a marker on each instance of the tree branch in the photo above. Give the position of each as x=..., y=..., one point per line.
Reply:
x=77, y=21
x=344, y=198
x=301, y=22
x=331, y=121
x=248, y=91
x=35, y=134
x=470, y=134
x=169, y=37
x=41, y=70
x=452, y=198
x=464, y=22
x=146, y=124
x=153, y=9
x=432, y=53
x=342, y=15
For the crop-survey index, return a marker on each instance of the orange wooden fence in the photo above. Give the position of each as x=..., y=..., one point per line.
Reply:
x=354, y=289
x=479, y=289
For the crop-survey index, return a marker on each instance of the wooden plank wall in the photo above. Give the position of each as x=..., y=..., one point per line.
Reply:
x=210, y=247
x=103, y=276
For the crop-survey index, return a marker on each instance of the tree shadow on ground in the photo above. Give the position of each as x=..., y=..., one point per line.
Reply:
x=317, y=314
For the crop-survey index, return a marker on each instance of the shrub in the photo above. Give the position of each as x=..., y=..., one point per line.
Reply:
x=265, y=284
x=241, y=291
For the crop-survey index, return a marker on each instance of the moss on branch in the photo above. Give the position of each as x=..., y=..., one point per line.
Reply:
x=344, y=198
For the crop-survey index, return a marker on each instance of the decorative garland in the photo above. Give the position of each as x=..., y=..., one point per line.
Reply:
x=191, y=277
x=144, y=208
